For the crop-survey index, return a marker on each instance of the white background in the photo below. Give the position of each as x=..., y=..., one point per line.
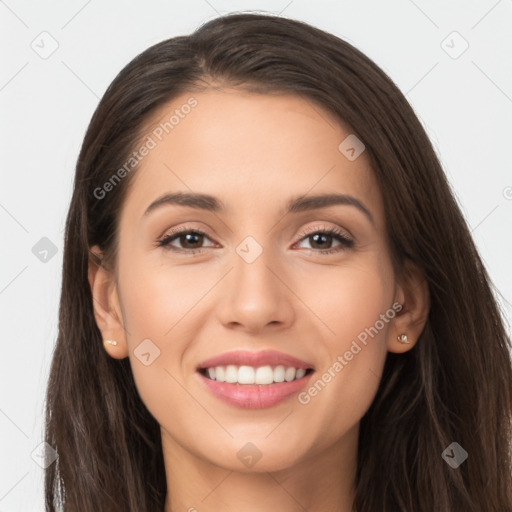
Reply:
x=465, y=103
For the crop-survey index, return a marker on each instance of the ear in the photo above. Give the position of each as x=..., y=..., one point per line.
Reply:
x=107, y=310
x=413, y=294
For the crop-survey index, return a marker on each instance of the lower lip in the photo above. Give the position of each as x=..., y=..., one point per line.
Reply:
x=256, y=396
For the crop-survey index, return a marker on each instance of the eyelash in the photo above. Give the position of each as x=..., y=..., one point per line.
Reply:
x=346, y=242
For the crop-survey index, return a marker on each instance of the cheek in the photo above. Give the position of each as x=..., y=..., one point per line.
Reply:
x=158, y=309
x=155, y=298
x=348, y=300
x=356, y=312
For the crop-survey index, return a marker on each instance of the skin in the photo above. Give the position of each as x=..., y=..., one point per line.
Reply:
x=254, y=152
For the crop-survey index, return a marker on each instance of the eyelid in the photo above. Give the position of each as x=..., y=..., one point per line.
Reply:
x=322, y=228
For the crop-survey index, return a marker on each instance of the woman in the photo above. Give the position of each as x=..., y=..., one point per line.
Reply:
x=270, y=299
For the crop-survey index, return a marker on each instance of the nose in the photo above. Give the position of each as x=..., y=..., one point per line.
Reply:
x=257, y=295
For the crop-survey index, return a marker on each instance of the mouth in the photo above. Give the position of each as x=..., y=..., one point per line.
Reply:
x=254, y=380
x=248, y=375
x=254, y=387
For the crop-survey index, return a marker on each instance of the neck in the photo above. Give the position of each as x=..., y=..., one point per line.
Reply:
x=321, y=482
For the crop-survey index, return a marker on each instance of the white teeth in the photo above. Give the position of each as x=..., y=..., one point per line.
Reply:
x=300, y=373
x=279, y=373
x=289, y=374
x=219, y=373
x=246, y=375
x=231, y=374
x=264, y=375
x=249, y=375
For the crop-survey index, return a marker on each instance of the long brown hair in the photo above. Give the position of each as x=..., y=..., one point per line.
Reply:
x=455, y=385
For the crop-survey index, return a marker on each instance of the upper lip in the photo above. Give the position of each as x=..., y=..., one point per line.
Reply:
x=255, y=359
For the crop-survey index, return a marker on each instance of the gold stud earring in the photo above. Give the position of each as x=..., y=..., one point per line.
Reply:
x=402, y=338
x=110, y=342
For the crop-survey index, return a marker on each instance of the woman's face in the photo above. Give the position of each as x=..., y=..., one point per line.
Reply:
x=265, y=279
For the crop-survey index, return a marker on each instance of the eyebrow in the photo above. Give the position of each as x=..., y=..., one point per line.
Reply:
x=294, y=205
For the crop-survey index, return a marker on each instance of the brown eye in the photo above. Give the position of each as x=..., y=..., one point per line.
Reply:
x=189, y=240
x=321, y=240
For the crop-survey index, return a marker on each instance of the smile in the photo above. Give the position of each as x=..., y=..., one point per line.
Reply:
x=262, y=375
x=254, y=396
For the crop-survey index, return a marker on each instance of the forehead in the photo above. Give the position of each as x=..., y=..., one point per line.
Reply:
x=254, y=151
